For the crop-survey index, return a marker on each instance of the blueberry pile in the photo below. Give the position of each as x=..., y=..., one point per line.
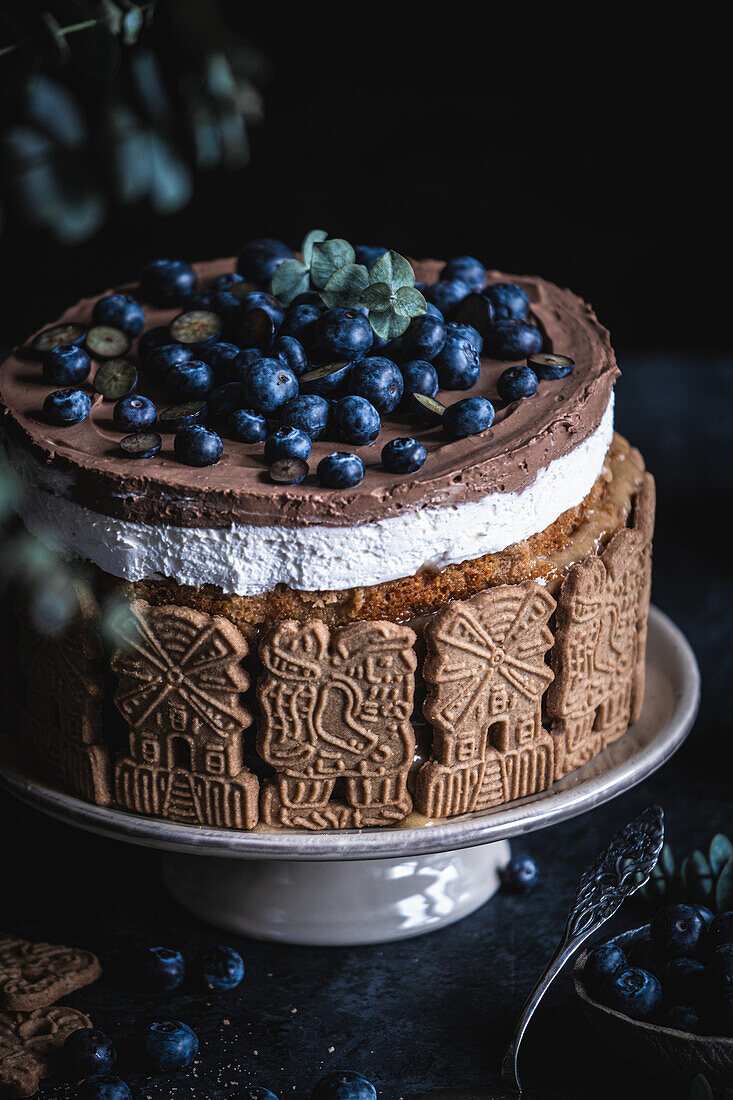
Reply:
x=678, y=972
x=284, y=371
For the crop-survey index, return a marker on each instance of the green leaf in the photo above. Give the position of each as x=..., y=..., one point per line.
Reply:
x=698, y=878
x=290, y=279
x=393, y=269
x=409, y=302
x=700, y=1089
x=666, y=860
x=327, y=257
x=376, y=296
x=345, y=286
x=315, y=236
x=388, y=325
x=724, y=889
x=721, y=850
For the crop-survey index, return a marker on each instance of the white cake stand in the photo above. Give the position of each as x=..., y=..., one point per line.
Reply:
x=351, y=886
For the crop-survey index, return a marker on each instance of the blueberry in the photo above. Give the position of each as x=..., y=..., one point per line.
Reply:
x=168, y=1045
x=222, y=968
x=681, y=1018
x=224, y=400
x=301, y=322
x=512, y=340
x=433, y=310
x=458, y=365
x=292, y=353
x=227, y=306
x=446, y=294
x=196, y=328
x=152, y=339
x=288, y=471
x=220, y=357
x=340, y=470
x=424, y=338
x=197, y=446
x=636, y=993
x=720, y=972
x=256, y=1092
x=238, y=368
x=355, y=420
x=247, y=426
x=329, y=380
x=368, y=254
x=64, y=407
x=106, y=342
x=179, y=416
x=103, y=1086
x=269, y=385
x=720, y=930
x=143, y=444
x=379, y=381
x=470, y=270
x=66, y=365
x=121, y=311
x=133, y=413
x=189, y=380
x=202, y=299
x=476, y=311
x=226, y=281
x=707, y=915
x=600, y=963
x=55, y=336
x=418, y=377
x=676, y=931
x=683, y=981
x=468, y=417
x=403, y=456
x=510, y=302
x=258, y=259
x=344, y=1085
x=391, y=349
x=308, y=412
x=516, y=382
x=549, y=366
x=259, y=299
x=88, y=1051
x=167, y=282
x=308, y=298
x=641, y=953
x=520, y=873
x=343, y=334
x=287, y=442
x=255, y=329
x=162, y=359
x=115, y=379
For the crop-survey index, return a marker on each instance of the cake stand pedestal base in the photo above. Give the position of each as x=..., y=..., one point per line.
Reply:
x=336, y=903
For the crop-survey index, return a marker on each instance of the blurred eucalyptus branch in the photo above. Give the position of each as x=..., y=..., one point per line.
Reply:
x=107, y=103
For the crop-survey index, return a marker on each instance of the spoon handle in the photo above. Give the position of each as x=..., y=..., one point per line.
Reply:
x=617, y=872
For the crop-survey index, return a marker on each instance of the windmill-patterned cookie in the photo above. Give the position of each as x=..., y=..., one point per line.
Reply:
x=35, y=975
x=180, y=691
x=30, y=1046
x=336, y=724
x=486, y=674
x=64, y=692
x=600, y=642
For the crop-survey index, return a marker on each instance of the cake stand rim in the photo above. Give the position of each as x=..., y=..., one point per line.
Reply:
x=516, y=819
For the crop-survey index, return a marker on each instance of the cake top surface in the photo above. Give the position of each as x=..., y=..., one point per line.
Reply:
x=525, y=437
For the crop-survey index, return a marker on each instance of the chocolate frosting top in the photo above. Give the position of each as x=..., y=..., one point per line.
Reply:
x=526, y=436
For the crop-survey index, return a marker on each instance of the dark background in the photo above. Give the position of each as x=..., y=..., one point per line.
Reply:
x=591, y=153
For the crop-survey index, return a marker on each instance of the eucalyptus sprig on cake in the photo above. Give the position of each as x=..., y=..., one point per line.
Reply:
x=706, y=879
x=701, y=1089
x=387, y=288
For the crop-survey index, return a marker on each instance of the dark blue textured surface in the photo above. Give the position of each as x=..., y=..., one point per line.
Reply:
x=435, y=1011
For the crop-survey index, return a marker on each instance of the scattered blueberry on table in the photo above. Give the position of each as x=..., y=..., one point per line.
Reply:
x=88, y=1051
x=103, y=1086
x=161, y=969
x=344, y=1085
x=520, y=875
x=168, y=1045
x=221, y=969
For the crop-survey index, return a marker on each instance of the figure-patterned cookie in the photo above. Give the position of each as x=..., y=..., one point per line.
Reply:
x=336, y=724
x=30, y=1044
x=35, y=975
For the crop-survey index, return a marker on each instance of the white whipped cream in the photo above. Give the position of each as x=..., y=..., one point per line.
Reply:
x=246, y=559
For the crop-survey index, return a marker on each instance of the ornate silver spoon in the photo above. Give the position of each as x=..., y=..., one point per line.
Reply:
x=616, y=873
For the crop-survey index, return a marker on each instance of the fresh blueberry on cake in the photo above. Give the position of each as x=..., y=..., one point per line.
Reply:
x=343, y=482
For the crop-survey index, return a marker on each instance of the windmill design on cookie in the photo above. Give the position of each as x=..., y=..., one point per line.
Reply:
x=180, y=687
x=336, y=724
x=486, y=673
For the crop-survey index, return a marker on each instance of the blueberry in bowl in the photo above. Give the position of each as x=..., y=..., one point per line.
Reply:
x=670, y=1017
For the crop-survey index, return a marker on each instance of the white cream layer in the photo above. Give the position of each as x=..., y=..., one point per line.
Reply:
x=246, y=560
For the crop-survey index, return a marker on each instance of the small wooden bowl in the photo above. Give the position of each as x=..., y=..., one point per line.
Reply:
x=664, y=1052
